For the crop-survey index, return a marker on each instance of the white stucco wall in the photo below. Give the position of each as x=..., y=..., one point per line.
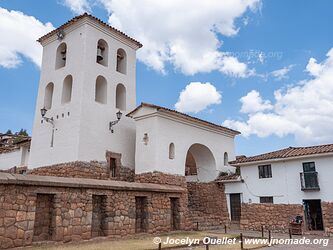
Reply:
x=16, y=158
x=163, y=130
x=285, y=184
x=82, y=127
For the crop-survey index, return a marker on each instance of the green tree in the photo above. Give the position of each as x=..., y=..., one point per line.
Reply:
x=23, y=132
x=9, y=132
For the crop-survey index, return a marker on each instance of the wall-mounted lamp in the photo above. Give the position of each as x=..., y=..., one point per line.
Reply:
x=49, y=120
x=112, y=123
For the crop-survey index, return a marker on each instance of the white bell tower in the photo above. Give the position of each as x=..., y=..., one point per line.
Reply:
x=87, y=76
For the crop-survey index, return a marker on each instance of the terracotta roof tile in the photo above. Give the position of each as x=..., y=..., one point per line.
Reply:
x=287, y=153
x=188, y=117
x=228, y=178
x=77, y=18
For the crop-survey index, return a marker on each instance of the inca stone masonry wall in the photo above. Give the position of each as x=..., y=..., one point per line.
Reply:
x=161, y=178
x=206, y=202
x=79, y=169
x=64, y=212
x=275, y=217
x=207, y=205
x=327, y=210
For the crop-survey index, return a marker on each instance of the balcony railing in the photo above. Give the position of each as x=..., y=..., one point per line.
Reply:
x=309, y=181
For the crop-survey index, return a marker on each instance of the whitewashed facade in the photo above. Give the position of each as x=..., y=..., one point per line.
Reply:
x=81, y=122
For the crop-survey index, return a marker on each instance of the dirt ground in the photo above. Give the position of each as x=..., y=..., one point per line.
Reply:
x=146, y=242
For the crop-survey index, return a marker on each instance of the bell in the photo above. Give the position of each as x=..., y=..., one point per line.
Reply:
x=63, y=54
x=99, y=54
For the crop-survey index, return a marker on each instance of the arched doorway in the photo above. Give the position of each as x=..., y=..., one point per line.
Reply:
x=200, y=164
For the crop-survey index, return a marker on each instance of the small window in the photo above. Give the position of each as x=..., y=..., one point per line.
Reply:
x=265, y=171
x=309, y=167
x=121, y=61
x=102, y=52
x=101, y=90
x=48, y=95
x=67, y=90
x=121, y=97
x=172, y=151
x=238, y=170
x=61, y=56
x=266, y=199
x=226, y=160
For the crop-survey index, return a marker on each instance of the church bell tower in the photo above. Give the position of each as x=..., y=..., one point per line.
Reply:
x=87, y=80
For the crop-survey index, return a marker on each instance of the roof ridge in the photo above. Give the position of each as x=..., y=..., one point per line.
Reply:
x=183, y=114
x=85, y=14
x=287, y=153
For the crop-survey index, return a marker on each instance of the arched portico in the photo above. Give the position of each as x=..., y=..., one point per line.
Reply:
x=200, y=164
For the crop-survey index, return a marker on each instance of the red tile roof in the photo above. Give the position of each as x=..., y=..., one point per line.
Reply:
x=185, y=116
x=14, y=144
x=286, y=153
x=77, y=18
x=228, y=178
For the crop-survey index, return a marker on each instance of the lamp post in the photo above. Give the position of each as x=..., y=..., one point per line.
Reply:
x=112, y=123
x=49, y=120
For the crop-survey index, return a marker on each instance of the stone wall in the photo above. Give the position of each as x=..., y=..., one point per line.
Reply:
x=173, y=180
x=207, y=205
x=32, y=212
x=161, y=178
x=79, y=169
x=44, y=225
x=275, y=217
x=327, y=210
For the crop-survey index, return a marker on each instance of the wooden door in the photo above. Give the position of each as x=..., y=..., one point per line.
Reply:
x=235, y=207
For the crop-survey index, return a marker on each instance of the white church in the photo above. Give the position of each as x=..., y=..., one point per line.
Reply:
x=86, y=105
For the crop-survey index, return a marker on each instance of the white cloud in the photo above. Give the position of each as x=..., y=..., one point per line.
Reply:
x=252, y=103
x=232, y=67
x=303, y=110
x=281, y=74
x=19, y=35
x=182, y=33
x=313, y=67
x=197, y=96
x=77, y=6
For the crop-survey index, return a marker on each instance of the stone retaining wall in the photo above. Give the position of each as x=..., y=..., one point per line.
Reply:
x=275, y=217
x=161, y=178
x=30, y=212
x=207, y=205
x=79, y=169
x=327, y=210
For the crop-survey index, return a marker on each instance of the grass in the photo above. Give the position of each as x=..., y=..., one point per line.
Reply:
x=143, y=242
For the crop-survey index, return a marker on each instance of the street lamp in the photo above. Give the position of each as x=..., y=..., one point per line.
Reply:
x=43, y=113
x=49, y=120
x=112, y=123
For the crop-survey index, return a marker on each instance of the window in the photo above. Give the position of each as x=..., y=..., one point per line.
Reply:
x=265, y=171
x=101, y=90
x=226, y=161
x=172, y=151
x=121, y=61
x=61, y=56
x=266, y=199
x=309, y=167
x=121, y=97
x=48, y=95
x=67, y=90
x=309, y=177
x=238, y=170
x=102, y=52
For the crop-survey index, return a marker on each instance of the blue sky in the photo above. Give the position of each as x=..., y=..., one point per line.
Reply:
x=262, y=81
